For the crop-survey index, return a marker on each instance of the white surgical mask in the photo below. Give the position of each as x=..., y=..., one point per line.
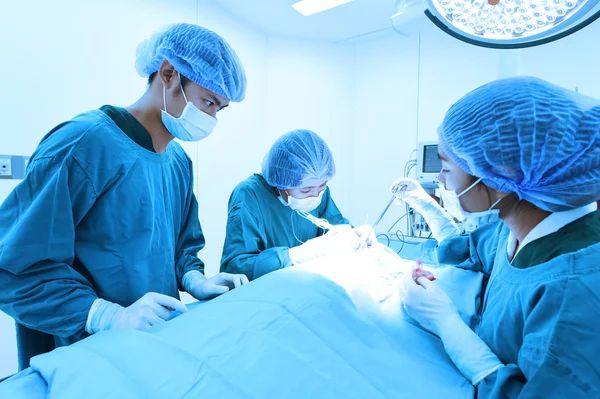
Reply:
x=453, y=207
x=307, y=204
x=192, y=125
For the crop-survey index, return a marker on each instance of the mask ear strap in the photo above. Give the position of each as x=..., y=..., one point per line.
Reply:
x=181, y=86
x=470, y=187
x=165, y=97
x=497, y=202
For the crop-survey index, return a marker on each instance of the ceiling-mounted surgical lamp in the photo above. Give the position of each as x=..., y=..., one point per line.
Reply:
x=507, y=24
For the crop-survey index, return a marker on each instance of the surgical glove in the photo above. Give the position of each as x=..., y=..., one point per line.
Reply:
x=339, y=240
x=201, y=288
x=428, y=304
x=440, y=222
x=366, y=234
x=148, y=311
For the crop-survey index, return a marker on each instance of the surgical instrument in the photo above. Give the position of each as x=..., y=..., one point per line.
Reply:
x=395, y=190
x=322, y=223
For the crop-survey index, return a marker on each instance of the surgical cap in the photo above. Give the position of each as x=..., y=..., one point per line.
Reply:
x=530, y=137
x=197, y=53
x=296, y=157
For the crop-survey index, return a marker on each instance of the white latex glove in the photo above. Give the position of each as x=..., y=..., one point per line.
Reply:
x=428, y=304
x=366, y=234
x=339, y=240
x=339, y=228
x=200, y=287
x=148, y=311
x=409, y=190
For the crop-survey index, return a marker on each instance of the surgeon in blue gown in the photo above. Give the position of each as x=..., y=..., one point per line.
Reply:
x=529, y=151
x=103, y=232
x=264, y=233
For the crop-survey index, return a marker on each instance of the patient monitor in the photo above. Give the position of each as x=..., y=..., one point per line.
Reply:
x=428, y=164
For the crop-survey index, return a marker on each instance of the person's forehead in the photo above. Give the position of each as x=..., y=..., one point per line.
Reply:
x=209, y=93
x=311, y=183
x=442, y=154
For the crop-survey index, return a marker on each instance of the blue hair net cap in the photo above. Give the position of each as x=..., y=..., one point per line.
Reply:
x=530, y=137
x=296, y=157
x=197, y=53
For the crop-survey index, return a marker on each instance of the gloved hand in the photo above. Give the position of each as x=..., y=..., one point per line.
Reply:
x=340, y=228
x=440, y=222
x=428, y=304
x=200, y=287
x=148, y=311
x=366, y=234
x=339, y=240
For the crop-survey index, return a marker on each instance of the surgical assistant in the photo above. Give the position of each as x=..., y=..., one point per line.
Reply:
x=104, y=229
x=264, y=233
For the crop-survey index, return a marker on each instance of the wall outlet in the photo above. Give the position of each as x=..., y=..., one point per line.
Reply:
x=12, y=167
x=5, y=167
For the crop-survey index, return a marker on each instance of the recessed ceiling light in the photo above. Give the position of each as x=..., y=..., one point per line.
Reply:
x=310, y=7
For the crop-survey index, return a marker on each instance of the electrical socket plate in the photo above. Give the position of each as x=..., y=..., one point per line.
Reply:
x=5, y=167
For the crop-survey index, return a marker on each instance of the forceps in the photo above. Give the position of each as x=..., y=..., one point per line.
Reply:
x=394, y=191
x=322, y=223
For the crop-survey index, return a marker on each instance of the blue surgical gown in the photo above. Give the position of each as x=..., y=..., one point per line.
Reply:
x=97, y=216
x=543, y=322
x=261, y=229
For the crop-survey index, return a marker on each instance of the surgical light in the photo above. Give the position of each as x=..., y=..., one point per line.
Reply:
x=508, y=23
x=310, y=7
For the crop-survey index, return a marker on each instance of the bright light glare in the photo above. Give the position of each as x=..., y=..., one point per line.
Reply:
x=508, y=19
x=310, y=7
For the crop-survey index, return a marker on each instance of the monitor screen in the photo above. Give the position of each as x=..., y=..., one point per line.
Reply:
x=431, y=161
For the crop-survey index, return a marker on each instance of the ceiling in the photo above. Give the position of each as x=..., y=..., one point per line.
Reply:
x=349, y=21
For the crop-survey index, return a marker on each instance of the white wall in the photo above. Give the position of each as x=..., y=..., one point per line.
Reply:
x=449, y=69
x=385, y=122
x=571, y=62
